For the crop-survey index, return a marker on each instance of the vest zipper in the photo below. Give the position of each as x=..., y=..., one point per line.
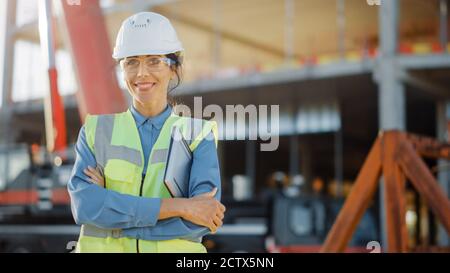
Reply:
x=140, y=194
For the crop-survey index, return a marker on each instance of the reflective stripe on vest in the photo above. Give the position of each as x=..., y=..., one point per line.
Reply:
x=115, y=142
x=103, y=134
x=88, y=230
x=159, y=156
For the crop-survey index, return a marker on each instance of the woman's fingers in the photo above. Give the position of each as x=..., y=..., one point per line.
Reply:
x=222, y=207
x=95, y=172
x=213, y=227
x=93, y=181
x=90, y=174
x=94, y=176
x=220, y=215
x=217, y=222
x=88, y=171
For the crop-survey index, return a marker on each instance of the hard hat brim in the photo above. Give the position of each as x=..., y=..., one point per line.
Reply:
x=144, y=52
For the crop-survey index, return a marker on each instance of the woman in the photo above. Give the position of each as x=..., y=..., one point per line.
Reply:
x=116, y=189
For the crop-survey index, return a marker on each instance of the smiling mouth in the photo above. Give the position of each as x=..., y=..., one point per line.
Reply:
x=144, y=85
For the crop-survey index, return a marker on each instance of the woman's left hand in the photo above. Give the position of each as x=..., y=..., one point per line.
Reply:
x=95, y=176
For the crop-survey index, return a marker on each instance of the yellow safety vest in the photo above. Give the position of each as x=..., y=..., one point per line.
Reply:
x=115, y=142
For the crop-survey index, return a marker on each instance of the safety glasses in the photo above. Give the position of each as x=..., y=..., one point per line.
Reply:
x=152, y=64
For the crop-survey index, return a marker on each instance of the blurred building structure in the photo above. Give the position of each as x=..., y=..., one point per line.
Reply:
x=340, y=70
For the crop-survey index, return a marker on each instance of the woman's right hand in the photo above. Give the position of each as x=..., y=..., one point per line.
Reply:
x=95, y=176
x=204, y=210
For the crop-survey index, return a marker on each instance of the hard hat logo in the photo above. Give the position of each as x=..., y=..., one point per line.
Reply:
x=141, y=25
x=146, y=33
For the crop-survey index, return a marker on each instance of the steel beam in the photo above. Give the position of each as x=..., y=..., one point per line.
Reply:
x=99, y=90
x=432, y=88
x=356, y=203
x=391, y=108
x=394, y=193
x=443, y=168
x=422, y=179
x=426, y=61
x=7, y=23
x=283, y=76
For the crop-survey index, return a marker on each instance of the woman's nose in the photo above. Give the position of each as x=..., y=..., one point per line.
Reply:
x=142, y=71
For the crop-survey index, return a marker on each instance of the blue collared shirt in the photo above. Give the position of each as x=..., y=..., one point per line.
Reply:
x=138, y=216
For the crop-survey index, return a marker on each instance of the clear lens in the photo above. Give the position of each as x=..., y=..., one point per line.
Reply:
x=152, y=64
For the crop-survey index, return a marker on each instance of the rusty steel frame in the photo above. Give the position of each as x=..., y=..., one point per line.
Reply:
x=397, y=156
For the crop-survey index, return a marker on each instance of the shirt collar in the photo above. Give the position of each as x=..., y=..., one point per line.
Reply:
x=157, y=121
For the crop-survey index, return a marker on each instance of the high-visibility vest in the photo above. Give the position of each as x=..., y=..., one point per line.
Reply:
x=115, y=142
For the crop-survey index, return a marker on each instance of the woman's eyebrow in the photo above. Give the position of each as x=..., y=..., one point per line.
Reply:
x=146, y=56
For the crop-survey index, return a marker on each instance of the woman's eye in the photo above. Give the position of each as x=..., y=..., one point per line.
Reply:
x=132, y=62
x=154, y=61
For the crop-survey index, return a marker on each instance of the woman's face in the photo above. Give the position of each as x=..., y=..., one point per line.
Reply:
x=147, y=77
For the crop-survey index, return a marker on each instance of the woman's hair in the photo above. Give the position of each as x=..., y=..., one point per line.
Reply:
x=177, y=58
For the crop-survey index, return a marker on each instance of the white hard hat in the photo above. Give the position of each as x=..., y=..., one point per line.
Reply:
x=146, y=33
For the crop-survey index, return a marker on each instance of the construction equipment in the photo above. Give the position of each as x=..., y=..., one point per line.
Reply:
x=35, y=213
x=396, y=155
x=55, y=118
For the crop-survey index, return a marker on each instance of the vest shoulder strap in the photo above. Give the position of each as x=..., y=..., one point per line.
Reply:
x=195, y=130
x=99, y=130
x=90, y=126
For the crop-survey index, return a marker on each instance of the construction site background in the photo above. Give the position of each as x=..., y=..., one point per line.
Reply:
x=341, y=71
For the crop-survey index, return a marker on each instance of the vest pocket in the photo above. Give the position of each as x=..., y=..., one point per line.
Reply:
x=88, y=244
x=120, y=175
x=180, y=246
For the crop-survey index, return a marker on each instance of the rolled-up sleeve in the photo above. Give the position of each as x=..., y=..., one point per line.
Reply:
x=104, y=208
x=204, y=177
